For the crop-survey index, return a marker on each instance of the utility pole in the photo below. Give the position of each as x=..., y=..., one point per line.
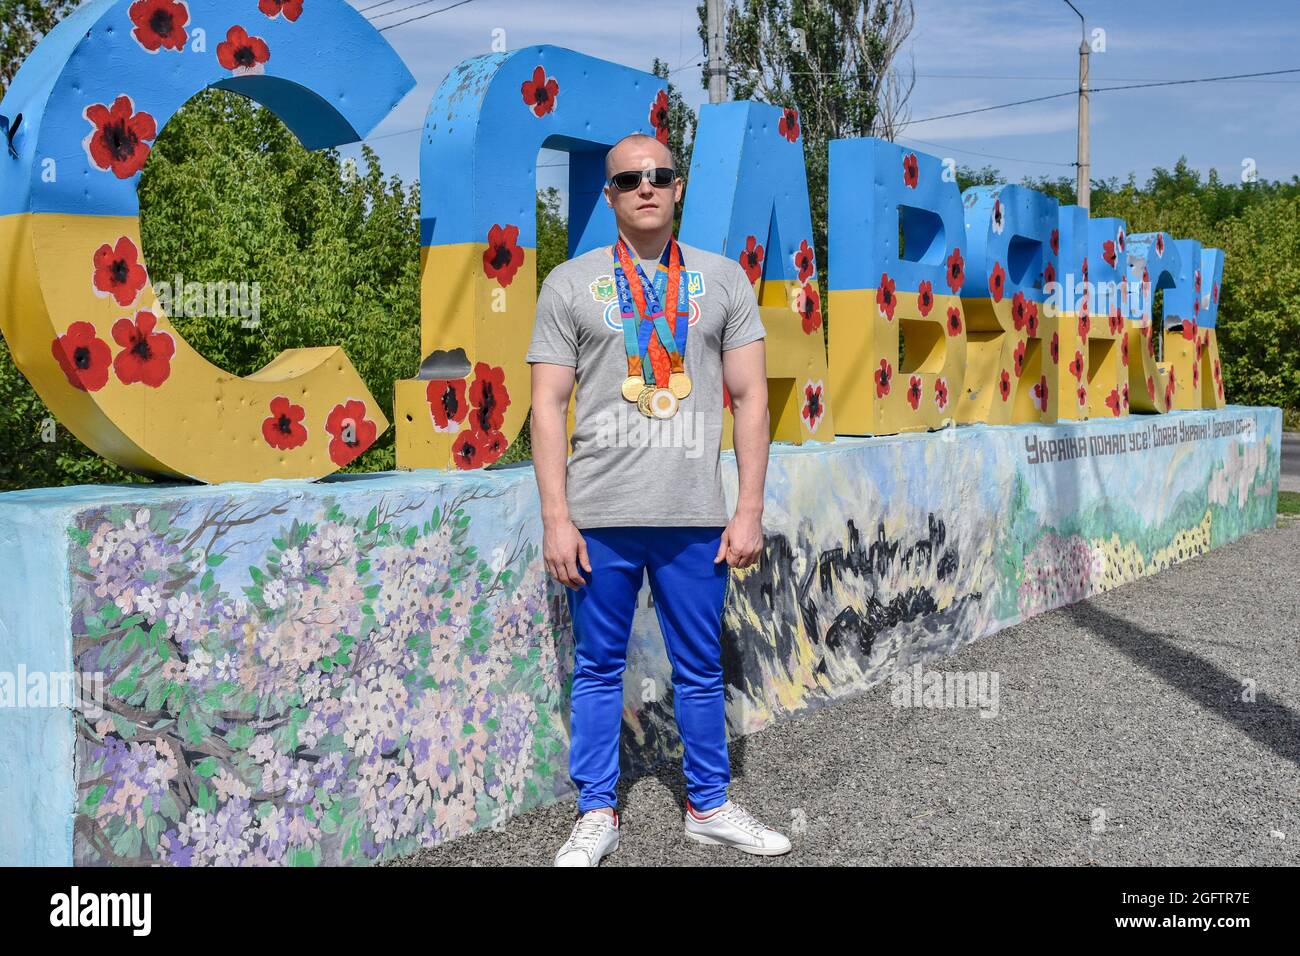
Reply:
x=1084, y=186
x=717, y=74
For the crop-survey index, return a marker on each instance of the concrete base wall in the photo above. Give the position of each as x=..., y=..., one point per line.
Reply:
x=341, y=672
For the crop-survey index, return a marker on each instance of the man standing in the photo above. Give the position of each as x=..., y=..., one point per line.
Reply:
x=650, y=329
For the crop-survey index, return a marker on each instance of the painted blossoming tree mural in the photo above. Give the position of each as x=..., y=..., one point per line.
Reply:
x=373, y=685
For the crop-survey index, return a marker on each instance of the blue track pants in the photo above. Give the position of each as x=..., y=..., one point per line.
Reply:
x=689, y=591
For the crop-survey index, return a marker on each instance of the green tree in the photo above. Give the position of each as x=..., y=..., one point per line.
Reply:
x=22, y=24
x=835, y=61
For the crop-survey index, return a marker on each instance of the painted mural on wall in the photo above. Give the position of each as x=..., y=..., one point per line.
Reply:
x=318, y=679
x=295, y=684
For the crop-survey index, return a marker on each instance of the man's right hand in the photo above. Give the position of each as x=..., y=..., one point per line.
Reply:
x=563, y=547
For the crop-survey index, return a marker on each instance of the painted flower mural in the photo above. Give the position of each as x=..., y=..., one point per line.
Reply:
x=120, y=140
x=160, y=24
x=374, y=686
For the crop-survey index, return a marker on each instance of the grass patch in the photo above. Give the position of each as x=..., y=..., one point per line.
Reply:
x=1288, y=502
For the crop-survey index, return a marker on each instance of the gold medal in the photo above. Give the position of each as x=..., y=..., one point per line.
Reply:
x=632, y=387
x=663, y=403
x=643, y=401
x=680, y=384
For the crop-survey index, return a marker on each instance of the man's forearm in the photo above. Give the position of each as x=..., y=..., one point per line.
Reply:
x=750, y=439
x=550, y=456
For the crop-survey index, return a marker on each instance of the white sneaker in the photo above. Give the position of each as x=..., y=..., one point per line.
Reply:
x=732, y=825
x=595, y=835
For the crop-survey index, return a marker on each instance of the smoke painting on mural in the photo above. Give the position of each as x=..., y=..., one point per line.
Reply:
x=995, y=305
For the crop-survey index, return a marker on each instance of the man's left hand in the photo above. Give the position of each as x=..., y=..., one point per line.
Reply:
x=742, y=541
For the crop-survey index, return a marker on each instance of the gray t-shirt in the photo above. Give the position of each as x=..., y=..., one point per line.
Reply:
x=627, y=468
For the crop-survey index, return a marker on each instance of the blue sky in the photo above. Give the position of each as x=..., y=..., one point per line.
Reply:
x=967, y=55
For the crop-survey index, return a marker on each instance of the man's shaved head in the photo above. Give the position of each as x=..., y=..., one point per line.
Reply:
x=630, y=153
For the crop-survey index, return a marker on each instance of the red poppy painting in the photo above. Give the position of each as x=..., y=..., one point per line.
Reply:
x=914, y=392
x=242, y=54
x=160, y=24
x=751, y=259
x=118, y=272
x=885, y=301
x=1019, y=314
x=351, y=432
x=956, y=271
x=997, y=281
x=83, y=356
x=290, y=9
x=788, y=125
x=447, y=403
x=810, y=309
x=804, y=261
x=659, y=116
x=121, y=137
x=814, y=407
x=503, y=255
x=911, y=171
x=475, y=448
x=540, y=92
x=488, y=397
x=1040, y=393
x=954, y=320
x=1076, y=365
x=941, y=393
x=283, y=428
x=1113, y=403
x=1018, y=358
x=146, y=354
x=882, y=376
x=925, y=297
x=1004, y=385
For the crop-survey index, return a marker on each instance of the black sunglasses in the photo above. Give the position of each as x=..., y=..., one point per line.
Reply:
x=660, y=177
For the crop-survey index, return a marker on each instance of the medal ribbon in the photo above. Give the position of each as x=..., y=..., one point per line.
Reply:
x=639, y=299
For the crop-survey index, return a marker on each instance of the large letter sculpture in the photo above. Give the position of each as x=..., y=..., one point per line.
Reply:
x=748, y=199
x=77, y=306
x=1191, y=311
x=478, y=171
x=882, y=294
x=1009, y=230
x=1154, y=264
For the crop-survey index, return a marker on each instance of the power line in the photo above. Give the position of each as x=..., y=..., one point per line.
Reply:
x=410, y=6
x=375, y=6
x=972, y=152
x=1203, y=79
x=1105, y=89
x=422, y=16
x=986, y=109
